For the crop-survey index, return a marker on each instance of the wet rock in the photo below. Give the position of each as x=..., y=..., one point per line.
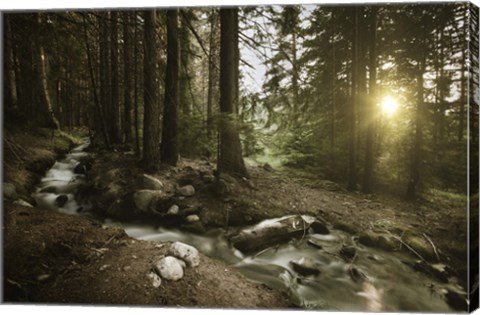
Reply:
x=185, y=252
x=23, y=203
x=348, y=252
x=195, y=227
x=9, y=191
x=187, y=191
x=192, y=218
x=356, y=274
x=380, y=240
x=457, y=300
x=439, y=271
x=305, y=267
x=170, y=268
x=319, y=227
x=61, y=200
x=149, y=182
x=315, y=243
x=82, y=168
x=270, y=232
x=173, y=210
x=156, y=280
x=145, y=199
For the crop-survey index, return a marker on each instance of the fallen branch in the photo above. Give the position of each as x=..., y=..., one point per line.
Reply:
x=433, y=245
x=405, y=244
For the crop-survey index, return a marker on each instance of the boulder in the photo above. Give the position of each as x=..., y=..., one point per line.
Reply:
x=187, y=191
x=156, y=280
x=145, y=199
x=9, y=191
x=319, y=227
x=23, y=203
x=173, y=210
x=170, y=268
x=61, y=200
x=421, y=246
x=82, y=167
x=187, y=253
x=457, y=300
x=380, y=240
x=149, y=182
x=192, y=218
x=270, y=232
x=348, y=252
x=305, y=266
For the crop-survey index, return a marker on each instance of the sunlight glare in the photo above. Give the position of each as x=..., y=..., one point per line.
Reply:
x=389, y=105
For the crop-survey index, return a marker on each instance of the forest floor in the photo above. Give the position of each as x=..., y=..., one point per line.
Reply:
x=57, y=258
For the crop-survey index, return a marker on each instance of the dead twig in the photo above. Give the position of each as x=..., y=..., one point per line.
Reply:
x=433, y=245
x=405, y=244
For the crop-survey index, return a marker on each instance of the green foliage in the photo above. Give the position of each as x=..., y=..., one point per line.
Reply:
x=193, y=140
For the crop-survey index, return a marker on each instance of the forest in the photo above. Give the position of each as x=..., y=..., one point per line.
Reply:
x=351, y=129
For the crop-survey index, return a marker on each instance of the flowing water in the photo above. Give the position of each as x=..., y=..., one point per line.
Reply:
x=376, y=280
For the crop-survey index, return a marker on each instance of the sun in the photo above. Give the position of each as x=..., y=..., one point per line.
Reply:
x=389, y=105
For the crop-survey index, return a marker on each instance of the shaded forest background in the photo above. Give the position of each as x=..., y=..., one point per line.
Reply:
x=169, y=83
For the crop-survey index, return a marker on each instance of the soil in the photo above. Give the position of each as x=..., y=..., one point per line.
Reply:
x=57, y=258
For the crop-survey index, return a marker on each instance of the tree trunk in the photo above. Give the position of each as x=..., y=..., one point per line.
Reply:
x=98, y=107
x=115, y=104
x=211, y=73
x=334, y=80
x=127, y=128
x=151, y=128
x=135, y=84
x=417, y=146
x=230, y=152
x=103, y=65
x=370, y=104
x=47, y=117
x=169, y=147
x=352, y=171
x=8, y=100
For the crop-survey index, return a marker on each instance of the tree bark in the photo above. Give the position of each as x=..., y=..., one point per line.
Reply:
x=115, y=104
x=370, y=104
x=417, y=145
x=8, y=99
x=98, y=107
x=135, y=89
x=211, y=73
x=169, y=147
x=127, y=128
x=230, y=152
x=47, y=117
x=352, y=171
x=151, y=126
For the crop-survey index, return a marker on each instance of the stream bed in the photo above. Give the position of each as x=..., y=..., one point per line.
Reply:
x=375, y=280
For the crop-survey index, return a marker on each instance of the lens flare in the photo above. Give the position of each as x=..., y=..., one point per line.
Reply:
x=389, y=105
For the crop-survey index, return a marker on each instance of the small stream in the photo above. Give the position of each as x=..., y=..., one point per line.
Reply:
x=380, y=281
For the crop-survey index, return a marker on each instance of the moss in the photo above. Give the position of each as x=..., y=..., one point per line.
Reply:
x=421, y=246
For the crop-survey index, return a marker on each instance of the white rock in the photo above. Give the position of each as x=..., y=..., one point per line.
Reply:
x=22, y=202
x=170, y=268
x=173, y=210
x=9, y=191
x=192, y=218
x=187, y=191
x=185, y=252
x=150, y=182
x=156, y=280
